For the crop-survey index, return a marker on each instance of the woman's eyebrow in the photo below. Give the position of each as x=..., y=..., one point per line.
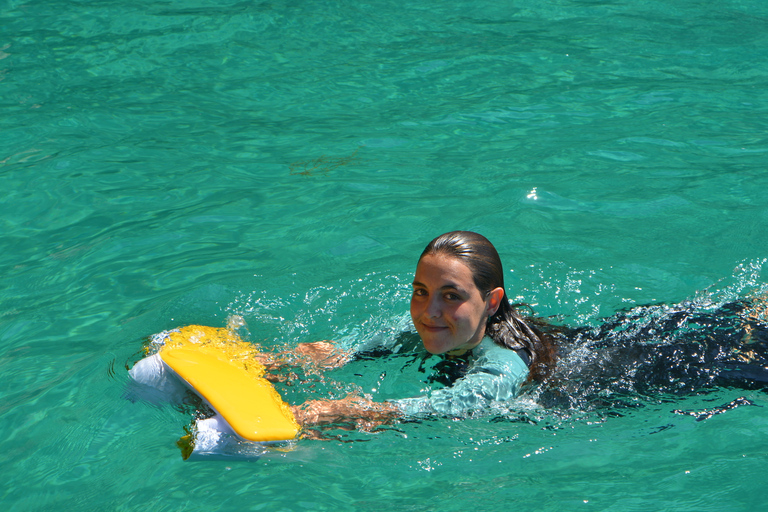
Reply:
x=454, y=287
x=449, y=286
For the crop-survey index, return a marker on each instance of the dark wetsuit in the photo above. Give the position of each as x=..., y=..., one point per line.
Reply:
x=646, y=350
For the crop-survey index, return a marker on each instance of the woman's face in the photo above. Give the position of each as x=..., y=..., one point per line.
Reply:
x=448, y=310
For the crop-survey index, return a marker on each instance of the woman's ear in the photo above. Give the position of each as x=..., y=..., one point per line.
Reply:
x=495, y=297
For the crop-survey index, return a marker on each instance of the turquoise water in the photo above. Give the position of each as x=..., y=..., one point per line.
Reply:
x=166, y=163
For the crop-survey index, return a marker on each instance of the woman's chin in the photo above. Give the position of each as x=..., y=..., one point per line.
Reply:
x=435, y=347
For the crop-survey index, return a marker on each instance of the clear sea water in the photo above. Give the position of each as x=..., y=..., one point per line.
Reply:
x=173, y=162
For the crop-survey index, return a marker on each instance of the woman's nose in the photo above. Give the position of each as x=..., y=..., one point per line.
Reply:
x=433, y=307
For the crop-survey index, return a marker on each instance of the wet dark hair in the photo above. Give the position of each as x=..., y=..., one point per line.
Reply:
x=506, y=327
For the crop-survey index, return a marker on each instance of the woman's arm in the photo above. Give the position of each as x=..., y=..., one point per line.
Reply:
x=497, y=376
x=318, y=355
x=323, y=354
x=350, y=411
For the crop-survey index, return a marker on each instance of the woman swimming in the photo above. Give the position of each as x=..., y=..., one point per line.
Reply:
x=487, y=351
x=461, y=311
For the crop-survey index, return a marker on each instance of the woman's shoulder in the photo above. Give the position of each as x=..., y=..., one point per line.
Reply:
x=491, y=356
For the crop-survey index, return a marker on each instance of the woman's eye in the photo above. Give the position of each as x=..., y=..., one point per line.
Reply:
x=419, y=292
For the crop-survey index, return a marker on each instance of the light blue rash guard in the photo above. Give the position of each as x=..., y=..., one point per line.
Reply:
x=495, y=375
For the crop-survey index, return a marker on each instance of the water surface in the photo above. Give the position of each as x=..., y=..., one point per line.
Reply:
x=165, y=163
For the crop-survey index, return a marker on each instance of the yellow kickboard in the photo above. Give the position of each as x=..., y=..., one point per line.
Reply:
x=251, y=406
